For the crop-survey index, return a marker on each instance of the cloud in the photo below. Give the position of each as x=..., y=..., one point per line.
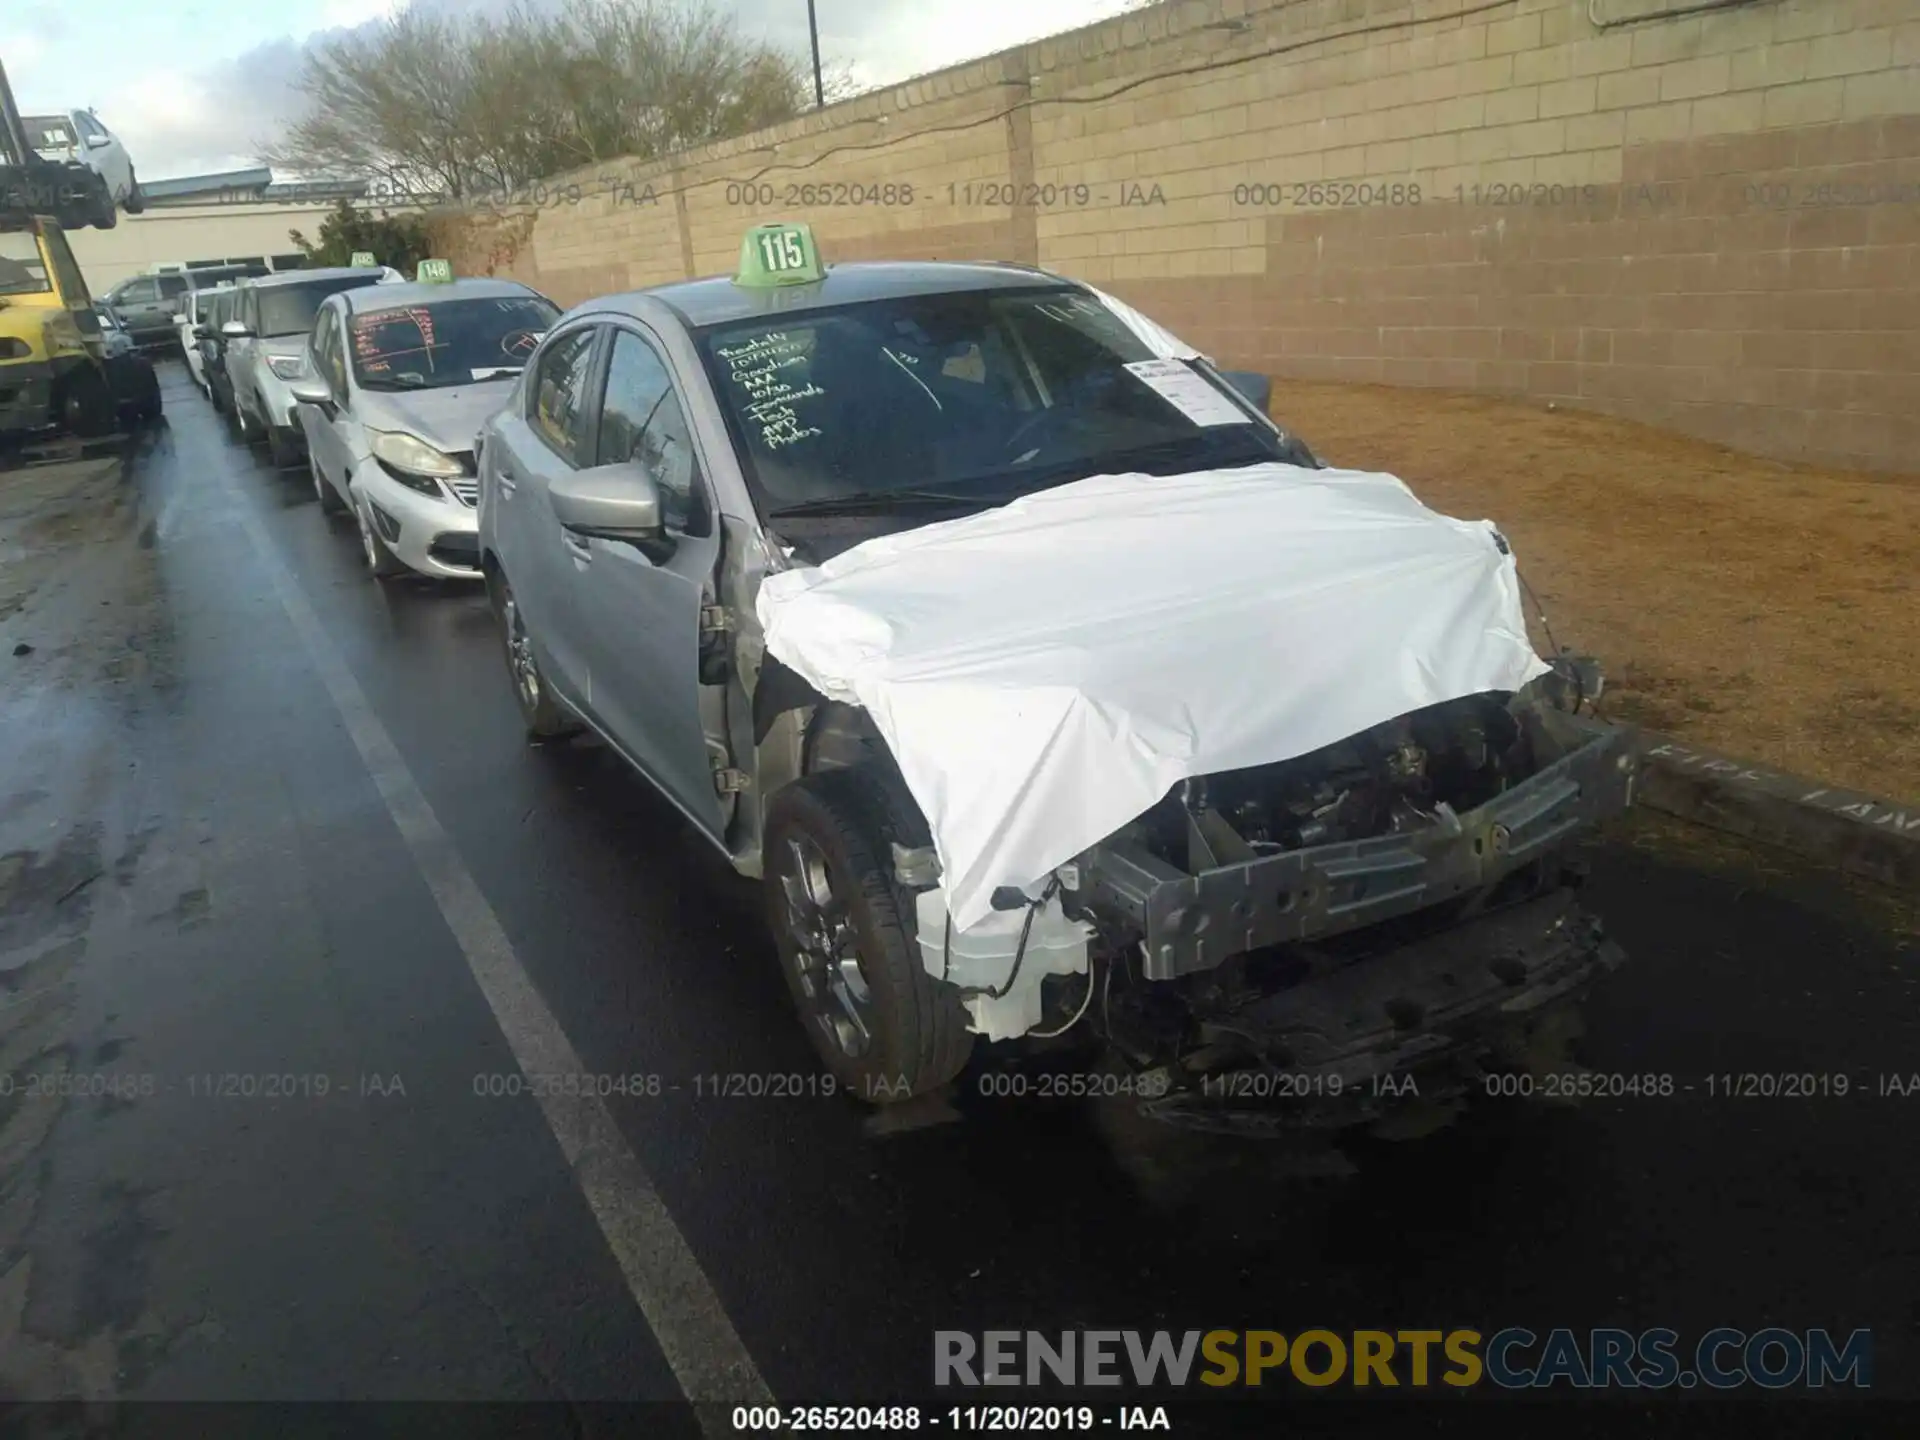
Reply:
x=216, y=119
x=346, y=14
x=219, y=117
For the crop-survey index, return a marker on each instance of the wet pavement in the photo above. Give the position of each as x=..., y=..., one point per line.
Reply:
x=248, y=1149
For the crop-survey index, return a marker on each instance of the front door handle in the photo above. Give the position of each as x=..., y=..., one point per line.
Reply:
x=577, y=547
x=505, y=479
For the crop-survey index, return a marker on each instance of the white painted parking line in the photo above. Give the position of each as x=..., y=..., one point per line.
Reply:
x=673, y=1292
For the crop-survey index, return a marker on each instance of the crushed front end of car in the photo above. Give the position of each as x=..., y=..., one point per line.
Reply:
x=1304, y=942
x=1258, y=782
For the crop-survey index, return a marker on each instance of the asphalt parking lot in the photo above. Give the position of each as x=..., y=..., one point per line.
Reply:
x=210, y=867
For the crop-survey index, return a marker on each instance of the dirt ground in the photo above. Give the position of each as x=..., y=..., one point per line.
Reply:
x=1764, y=609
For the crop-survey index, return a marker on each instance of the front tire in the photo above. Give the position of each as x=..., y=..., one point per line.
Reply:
x=84, y=406
x=283, y=449
x=544, y=716
x=149, y=406
x=885, y=1028
x=382, y=563
x=136, y=199
x=330, y=502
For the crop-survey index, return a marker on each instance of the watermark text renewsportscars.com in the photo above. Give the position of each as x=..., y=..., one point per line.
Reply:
x=1511, y=1358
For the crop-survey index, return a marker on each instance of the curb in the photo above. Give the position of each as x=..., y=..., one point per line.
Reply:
x=1866, y=835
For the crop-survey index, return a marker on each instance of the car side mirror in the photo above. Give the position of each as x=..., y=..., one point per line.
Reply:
x=310, y=390
x=1251, y=385
x=98, y=142
x=235, y=330
x=613, y=502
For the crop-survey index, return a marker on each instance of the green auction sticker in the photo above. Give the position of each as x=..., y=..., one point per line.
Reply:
x=363, y=260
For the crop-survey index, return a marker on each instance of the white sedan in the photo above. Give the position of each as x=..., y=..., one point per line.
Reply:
x=399, y=379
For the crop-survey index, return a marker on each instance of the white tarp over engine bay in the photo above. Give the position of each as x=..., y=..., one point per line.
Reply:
x=1046, y=671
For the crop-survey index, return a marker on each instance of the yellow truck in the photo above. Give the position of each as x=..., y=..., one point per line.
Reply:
x=53, y=369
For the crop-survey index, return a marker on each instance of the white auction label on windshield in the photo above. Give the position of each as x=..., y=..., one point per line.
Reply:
x=1188, y=392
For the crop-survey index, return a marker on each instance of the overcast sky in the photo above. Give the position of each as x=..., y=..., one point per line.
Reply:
x=198, y=85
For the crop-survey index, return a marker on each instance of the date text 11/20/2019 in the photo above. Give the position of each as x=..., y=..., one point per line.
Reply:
x=906, y=1419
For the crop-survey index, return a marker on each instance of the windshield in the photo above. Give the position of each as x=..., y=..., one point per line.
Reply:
x=987, y=393
x=22, y=270
x=447, y=342
x=289, y=309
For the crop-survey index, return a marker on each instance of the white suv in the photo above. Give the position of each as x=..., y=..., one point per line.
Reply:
x=266, y=344
x=76, y=137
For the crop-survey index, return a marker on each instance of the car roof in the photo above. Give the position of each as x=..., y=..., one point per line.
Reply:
x=294, y=277
x=393, y=297
x=716, y=300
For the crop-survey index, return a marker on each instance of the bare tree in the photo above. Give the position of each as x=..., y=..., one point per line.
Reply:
x=463, y=105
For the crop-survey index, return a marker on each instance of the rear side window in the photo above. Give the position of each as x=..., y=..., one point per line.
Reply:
x=289, y=309
x=172, y=285
x=558, y=409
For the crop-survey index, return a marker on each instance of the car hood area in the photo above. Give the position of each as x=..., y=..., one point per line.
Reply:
x=446, y=419
x=1047, y=671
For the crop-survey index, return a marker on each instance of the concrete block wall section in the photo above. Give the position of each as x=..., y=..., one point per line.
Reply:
x=1710, y=222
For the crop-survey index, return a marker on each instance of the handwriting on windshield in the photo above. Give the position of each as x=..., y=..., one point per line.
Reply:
x=375, y=337
x=763, y=369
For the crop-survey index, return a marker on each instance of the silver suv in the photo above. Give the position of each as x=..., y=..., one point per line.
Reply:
x=679, y=467
x=265, y=341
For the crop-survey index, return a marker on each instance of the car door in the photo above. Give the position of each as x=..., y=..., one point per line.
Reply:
x=330, y=430
x=173, y=294
x=215, y=311
x=549, y=434
x=106, y=155
x=237, y=352
x=640, y=605
x=139, y=306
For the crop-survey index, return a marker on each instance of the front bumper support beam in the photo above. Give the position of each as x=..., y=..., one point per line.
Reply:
x=1194, y=922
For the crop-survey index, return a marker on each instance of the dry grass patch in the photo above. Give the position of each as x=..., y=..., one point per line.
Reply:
x=1765, y=609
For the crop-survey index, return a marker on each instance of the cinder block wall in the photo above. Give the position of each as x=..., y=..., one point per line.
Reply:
x=1709, y=222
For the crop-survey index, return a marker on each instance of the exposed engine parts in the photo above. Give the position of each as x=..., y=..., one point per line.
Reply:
x=1392, y=778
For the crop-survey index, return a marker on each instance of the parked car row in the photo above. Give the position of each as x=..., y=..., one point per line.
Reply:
x=152, y=305
x=1011, y=646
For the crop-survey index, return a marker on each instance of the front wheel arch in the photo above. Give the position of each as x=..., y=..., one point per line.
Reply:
x=918, y=1035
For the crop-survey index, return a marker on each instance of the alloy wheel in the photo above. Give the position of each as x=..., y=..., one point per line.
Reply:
x=526, y=674
x=826, y=959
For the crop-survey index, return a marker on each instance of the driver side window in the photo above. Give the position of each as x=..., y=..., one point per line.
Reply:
x=557, y=406
x=325, y=345
x=641, y=421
